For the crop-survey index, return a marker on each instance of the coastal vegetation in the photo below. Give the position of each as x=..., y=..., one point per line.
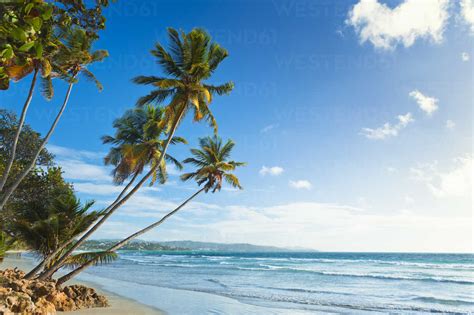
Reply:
x=192, y=59
x=49, y=41
x=213, y=167
x=142, y=245
x=100, y=245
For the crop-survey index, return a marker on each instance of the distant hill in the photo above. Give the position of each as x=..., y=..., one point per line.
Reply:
x=186, y=245
x=133, y=245
x=236, y=247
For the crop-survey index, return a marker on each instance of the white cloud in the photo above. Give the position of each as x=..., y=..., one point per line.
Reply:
x=404, y=120
x=80, y=164
x=426, y=103
x=387, y=27
x=450, y=124
x=300, y=184
x=423, y=172
x=101, y=189
x=388, y=130
x=467, y=13
x=323, y=226
x=329, y=227
x=465, y=56
x=455, y=182
x=97, y=189
x=268, y=128
x=80, y=170
x=147, y=205
x=273, y=171
x=70, y=153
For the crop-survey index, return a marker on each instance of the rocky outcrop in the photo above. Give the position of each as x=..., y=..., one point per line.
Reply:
x=19, y=296
x=12, y=302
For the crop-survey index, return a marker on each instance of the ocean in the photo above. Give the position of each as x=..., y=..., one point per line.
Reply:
x=292, y=283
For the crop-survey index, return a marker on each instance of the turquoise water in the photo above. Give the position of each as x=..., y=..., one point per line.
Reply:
x=305, y=282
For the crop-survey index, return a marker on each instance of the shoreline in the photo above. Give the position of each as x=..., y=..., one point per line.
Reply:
x=119, y=304
x=289, y=284
x=140, y=299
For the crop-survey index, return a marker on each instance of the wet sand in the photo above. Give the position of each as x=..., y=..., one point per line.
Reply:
x=119, y=304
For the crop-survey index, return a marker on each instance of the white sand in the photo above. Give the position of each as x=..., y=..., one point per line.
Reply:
x=119, y=304
x=146, y=299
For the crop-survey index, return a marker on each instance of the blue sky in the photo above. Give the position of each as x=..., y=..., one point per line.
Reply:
x=355, y=118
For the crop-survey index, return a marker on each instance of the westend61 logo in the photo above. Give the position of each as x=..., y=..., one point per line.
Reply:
x=310, y=8
x=136, y=8
x=245, y=36
x=241, y=36
x=336, y=62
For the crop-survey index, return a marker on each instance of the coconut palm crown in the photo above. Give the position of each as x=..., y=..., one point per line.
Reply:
x=137, y=143
x=190, y=60
x=213, y=166
x=74, y=56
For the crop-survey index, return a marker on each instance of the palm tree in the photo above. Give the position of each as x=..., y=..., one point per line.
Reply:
x=137, y=144
x=74, y=57
x=213, y=166
x=44, y=229
x=3, y=245
x=191, y=60
x=35, y=55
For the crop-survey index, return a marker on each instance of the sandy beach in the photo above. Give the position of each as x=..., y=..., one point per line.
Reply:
x=119, y=304
x=142, y=299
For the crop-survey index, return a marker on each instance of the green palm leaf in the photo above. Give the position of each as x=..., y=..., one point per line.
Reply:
x=100, y=258
x=138, y=142
x=190, y=59
x=213, y=166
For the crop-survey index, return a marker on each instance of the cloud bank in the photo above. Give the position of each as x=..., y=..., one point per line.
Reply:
x=387, y=27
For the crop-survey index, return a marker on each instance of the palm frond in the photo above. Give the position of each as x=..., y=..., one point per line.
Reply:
x=232, y=180
x=187, y=176
x=216, y=55
x=176, y=46
x=156, y=96
x=166, y=61
x=213, y=165
x=142, y=79
x=91, y=77
x=176, y=140
x=47, y=89
x=99, y=55
x=100, y=258
x=174, y=161
x=222, y=89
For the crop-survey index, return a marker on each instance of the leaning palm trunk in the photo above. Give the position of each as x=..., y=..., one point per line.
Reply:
x=50, y=271
x=19, y=179
x=122, y=243
x=9, y=165
x=45, y=261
